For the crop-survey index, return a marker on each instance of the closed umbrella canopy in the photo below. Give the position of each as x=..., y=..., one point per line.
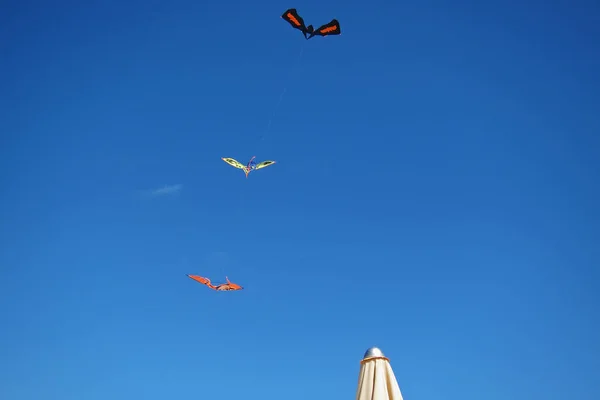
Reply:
x=376, y=380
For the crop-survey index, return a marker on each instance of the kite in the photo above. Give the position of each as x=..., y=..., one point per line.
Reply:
x=292, y=17
x=220, y=288
x=251, y=166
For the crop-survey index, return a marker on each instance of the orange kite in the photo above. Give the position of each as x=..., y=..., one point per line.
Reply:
x=296, y=21
x=222, y=287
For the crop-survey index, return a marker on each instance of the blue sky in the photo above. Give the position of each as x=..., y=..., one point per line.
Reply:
x=435, y=194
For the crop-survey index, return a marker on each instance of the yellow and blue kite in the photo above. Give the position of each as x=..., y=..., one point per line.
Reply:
x=251, y=166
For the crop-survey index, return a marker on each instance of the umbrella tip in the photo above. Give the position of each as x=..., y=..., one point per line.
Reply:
x=373, y=352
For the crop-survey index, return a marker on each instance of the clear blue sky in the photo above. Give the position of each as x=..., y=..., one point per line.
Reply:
x=435, y=194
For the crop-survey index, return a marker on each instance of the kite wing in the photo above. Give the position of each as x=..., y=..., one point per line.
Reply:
x=233, y=163
x=332, y=28
x=296, y=21
x=202, y=280
x=264, y=164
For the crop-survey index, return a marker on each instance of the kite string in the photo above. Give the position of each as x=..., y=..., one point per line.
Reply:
x=283, y=92
x=223, y=272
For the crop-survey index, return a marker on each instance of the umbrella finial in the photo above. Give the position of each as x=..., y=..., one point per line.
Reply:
x=376, y=379
x=373, y=352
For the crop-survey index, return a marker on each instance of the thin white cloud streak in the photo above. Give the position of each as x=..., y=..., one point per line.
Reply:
x=167, y=190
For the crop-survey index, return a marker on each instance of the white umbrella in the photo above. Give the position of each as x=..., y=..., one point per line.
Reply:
x=376, y=380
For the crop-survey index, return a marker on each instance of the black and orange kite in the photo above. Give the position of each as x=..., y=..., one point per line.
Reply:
x=332, y=28
x=222, y=287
